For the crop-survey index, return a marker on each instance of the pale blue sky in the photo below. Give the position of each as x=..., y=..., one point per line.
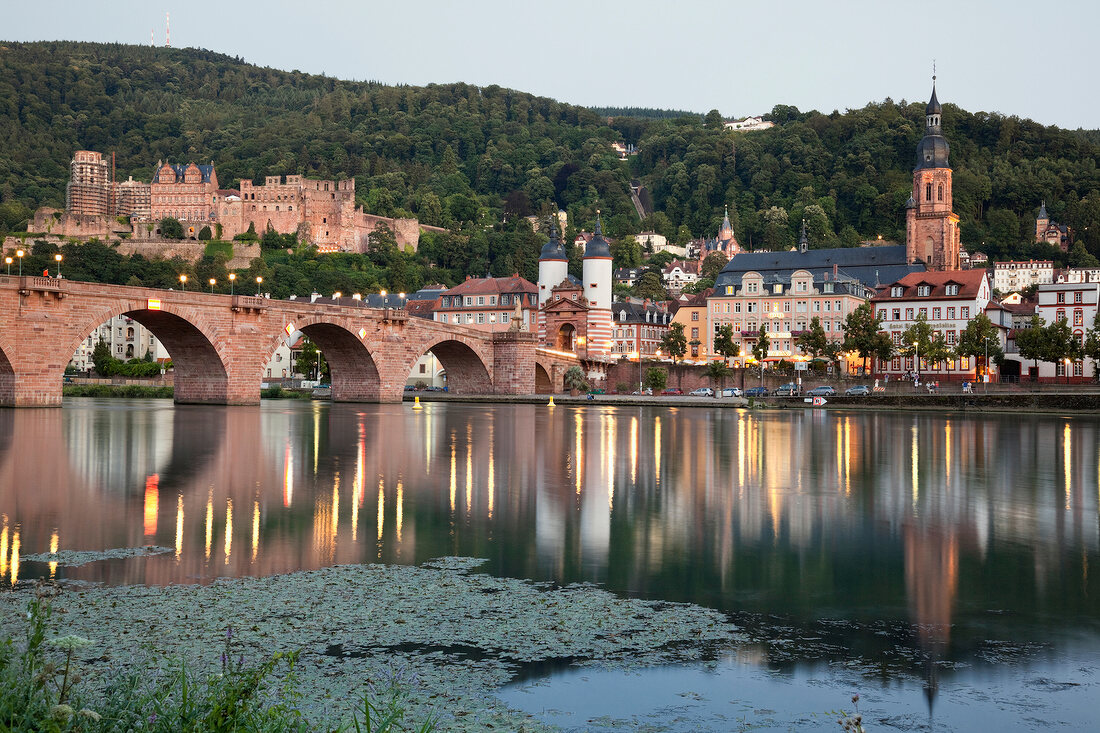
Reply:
x=1034, y=60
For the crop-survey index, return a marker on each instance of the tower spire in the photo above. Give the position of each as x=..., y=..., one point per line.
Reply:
x=803, y=239
x=599, y=226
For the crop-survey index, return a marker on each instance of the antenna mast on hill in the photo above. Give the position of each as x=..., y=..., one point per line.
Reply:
x=167, y=31
x=152, y=41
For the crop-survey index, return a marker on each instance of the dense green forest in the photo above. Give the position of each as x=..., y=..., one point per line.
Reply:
x=475, y=159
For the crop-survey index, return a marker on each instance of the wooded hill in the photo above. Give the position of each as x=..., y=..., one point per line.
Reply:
x=467, y=157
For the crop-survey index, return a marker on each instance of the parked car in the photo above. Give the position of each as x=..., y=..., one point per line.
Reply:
x=702, y=392
x=673, y=391
x=860, y=390
x=731, y=392
x=823, y=390
x=756, y=392
x=790, y=389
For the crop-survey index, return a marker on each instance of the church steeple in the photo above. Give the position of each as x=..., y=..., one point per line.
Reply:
x=803, y=240
x=933, y=150
x=931, y=227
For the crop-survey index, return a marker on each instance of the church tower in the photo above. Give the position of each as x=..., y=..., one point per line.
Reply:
x=931, y=227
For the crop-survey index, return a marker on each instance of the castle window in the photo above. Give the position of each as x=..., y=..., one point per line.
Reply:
x=928, y=192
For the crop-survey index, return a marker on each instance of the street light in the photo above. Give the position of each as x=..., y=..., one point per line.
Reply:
x=19, y=253
x=232, y=280
x=213, y=282
x=7, y=261
x=259, y=282
x=183, y=281
x=337, y=295
x=985, y=377
x=916, y=361
x=57, y=259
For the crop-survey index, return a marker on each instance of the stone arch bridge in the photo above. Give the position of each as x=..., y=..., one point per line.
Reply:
x=219, y=344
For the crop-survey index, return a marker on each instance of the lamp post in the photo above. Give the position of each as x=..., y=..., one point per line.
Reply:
x=916, y=361
x=57, y=259
x=259, y=282
x=19, y=254
x=7, y=261
x=213, y=282
x=337, y=295
x=183, y=282
x=232, y=280
x=1068, y=362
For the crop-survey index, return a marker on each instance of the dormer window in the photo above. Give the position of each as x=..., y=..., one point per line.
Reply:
x=896, y=291
x=777, y=288
x=729, y=290
x=924, y=290
x=952, y=289
x=622, y=315
x=827, y=288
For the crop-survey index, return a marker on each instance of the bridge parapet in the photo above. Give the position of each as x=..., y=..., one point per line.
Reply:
x=39, y=284
x=250, y=303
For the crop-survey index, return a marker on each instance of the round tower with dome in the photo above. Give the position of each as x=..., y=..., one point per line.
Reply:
x=931, y=227
x=596, y=277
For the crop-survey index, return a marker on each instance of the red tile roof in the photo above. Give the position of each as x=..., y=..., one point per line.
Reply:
x=968, y=281
x=493, y=286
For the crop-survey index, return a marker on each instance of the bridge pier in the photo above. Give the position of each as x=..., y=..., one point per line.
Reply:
x=514, y=362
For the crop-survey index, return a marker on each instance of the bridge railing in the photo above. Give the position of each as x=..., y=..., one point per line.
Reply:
x=250, y=302
x=41, y=284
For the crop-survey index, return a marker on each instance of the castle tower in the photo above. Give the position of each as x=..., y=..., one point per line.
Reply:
x=553, y=269
x=597, y=291
x=1041, y=223
x=931, y=228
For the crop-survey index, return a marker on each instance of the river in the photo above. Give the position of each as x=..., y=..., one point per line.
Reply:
x=938, y=565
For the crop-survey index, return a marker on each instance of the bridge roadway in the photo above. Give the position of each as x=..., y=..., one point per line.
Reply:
x=220, y=344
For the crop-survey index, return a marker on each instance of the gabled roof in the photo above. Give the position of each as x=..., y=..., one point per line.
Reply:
x=636, y=313
x=422, y=308
x=180, y=169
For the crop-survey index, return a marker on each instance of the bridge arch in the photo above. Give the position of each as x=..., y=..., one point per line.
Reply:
x=352, y=368
x=465, y=366
x=543, y=382
x=199, y=369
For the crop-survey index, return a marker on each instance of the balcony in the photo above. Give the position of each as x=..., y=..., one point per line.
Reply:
x=38, y=284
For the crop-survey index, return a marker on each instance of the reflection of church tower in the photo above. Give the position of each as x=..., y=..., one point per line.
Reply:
x=931, y=228
x=553, y=268
x=596, y=277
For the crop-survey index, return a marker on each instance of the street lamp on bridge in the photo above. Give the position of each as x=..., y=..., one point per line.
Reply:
x=57, y=259
x=213, y=282
x=232, y=280
x=7, y=261
x=19, y=254
x=183, y=282
x=259, y=282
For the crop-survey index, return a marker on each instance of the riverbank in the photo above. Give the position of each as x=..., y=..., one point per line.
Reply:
x=448, y=634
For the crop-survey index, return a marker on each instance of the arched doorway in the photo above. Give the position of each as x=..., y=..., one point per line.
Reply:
x=567, y=338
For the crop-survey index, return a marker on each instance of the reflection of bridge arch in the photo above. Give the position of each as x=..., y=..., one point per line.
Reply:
x=198, y=366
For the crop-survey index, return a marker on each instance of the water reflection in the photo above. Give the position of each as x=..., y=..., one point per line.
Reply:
x=910, y=518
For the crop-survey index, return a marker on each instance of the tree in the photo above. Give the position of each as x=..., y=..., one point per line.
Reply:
x=725, y=345
x=649, y=286
x=1092, y=339
x=862, y=334
x=918, y=340
x=813, y=341
x=713, y=265
x=574, y=379
x=311, y=362
x=102, y=358
x=979, y=338
x=626, y=252
x=674, y=344
x=717, y=371
x=656, y=378
x=713, y=120
x=1030, y=341
x=171, y=228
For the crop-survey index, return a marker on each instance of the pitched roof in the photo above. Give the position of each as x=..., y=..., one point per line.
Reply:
x=493, y=285
x=181, y=169
x=969, y=281
x=872, y=266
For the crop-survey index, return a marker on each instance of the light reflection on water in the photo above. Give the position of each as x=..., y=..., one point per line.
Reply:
x=927, y=523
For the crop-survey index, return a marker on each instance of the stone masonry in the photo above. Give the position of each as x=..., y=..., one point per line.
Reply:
x=219, y=344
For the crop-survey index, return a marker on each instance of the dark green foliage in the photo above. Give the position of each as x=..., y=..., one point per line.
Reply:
x=171, y=228
x=205, y=234
x=656, y=378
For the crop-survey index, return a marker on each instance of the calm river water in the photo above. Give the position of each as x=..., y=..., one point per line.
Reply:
x=938, y=565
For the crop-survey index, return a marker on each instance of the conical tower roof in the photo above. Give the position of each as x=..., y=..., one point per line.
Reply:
x=553, y=249
x=598, y=246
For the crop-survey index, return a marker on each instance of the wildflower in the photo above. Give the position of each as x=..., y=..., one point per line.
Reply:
x=61, y=713
x=89, y=714
x=70, y=642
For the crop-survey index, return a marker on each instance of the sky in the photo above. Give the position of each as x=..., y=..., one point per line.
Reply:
x=1032, y=60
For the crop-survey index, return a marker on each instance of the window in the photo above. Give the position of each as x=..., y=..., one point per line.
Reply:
x=481, y=318
x=729, y=290
x=924, y=290
x=469, y=300
x=1078, y=369
x=492, y=300
x=469, y=318
x=836, y=306
x=1078, y=317
x=939, y=192
x=895, y=314
x=423, y=368
x=1061, y=297
x=827, y=288
x=786, y=306
x=951, y=313
x=896, y=291
x=695, y=315
x=828, y=306
x=908, y=314
x=817, y=306
x=928, y=192
x=695, y=333
x=750, y=307
x=952, y=289
x=1061, y=315
x=936, y=314
x=801, y=306
x=923, y=312
x=1077, y=297
x=882, y=314
x=481, y=300
x=964, y=312
x=802, y=286
x=751, y=287
x=1060, y=369
x=504, y=300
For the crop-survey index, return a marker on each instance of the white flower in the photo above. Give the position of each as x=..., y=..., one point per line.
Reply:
x=70, y=642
